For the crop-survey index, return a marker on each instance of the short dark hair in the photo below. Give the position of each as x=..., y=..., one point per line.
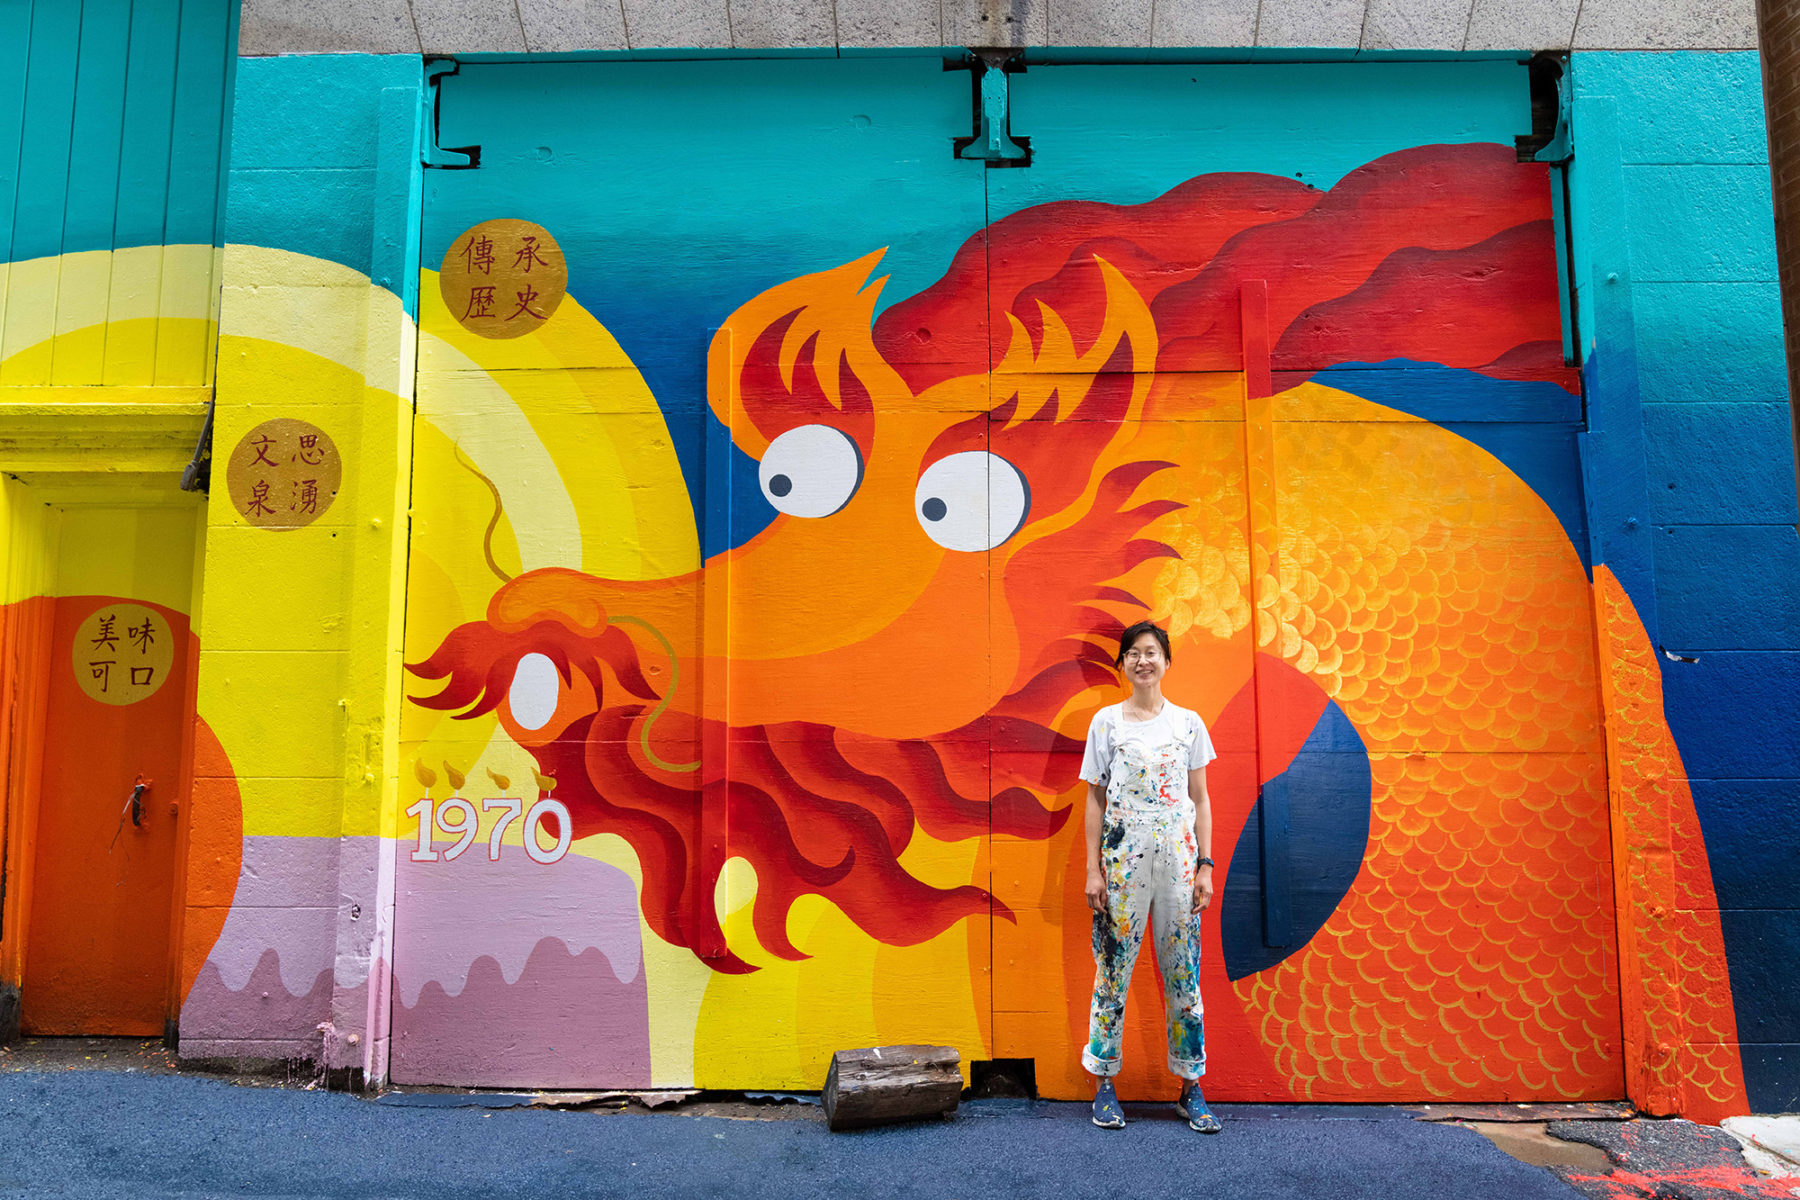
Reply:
x=1134, y=632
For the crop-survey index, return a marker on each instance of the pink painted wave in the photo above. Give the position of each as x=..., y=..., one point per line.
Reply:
x=567, y=1021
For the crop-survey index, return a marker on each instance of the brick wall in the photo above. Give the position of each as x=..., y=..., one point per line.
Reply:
x=1779, y=26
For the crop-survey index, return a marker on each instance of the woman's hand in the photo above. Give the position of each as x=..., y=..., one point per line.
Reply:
x=1096, y=890
x=1203, y=888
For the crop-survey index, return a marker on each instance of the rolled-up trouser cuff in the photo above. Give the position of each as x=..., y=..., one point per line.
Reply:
x=1186, y=1068
x=1104, y=1067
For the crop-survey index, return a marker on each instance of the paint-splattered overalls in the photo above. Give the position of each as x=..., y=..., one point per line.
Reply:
x=1148, y=856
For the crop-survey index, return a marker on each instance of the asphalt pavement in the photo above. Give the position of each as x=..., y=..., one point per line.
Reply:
x=108, y=1133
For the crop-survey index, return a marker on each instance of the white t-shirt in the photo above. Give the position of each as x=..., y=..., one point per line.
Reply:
x=1146, y=763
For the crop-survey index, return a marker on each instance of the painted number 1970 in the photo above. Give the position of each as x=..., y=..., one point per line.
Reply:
x=456, y=817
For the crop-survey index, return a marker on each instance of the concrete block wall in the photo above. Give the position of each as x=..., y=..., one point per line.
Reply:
x=300, y=680
x=1273, y=26
x=1684, y=138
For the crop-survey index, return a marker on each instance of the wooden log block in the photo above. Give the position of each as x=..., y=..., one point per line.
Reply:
x=891, y=1083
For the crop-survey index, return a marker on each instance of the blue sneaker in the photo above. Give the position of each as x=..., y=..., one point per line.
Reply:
x=1192, y=1105
x=1107, y=1113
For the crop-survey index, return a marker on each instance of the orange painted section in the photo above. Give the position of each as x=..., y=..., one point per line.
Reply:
x=214, y=854
x=1679, y=1020
x=99, y=928
x=24, y=640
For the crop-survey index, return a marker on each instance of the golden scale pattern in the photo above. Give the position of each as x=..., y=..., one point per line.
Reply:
x=1690, y=1027
x=1437, y=600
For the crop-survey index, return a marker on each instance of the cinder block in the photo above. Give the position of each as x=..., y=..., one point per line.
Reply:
x=289, y=872
x=1772, y=1076
x=1728, y=587
x=276, y=725
x=996, y=22
x=660, y=25
x=1321, y=24
x=314, y=566
x=880, y=24
x=1733, y=713
x=1709, y=343
x=468, y=26
x=1208, y=23
x=1701, y=107
x=553, y=26
x=1100, y=23
x=1700, y=223
x=1756, y=823
x=1666, y=25
x=770, y=24
x=1713, y=464
x=1764, y=943
x=322, y=27
x=326, y=214
x=1521, y=24
x=275, y=112
x=1415, y=24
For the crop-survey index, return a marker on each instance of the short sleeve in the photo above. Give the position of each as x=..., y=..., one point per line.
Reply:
x=1201, y=751
x=1096, y=763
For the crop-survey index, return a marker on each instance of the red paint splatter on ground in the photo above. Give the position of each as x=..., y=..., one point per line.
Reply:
x=1688, y=1183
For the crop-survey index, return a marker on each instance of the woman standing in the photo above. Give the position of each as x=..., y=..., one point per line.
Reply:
x=1149, y=865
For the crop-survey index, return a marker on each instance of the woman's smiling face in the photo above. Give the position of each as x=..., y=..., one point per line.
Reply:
x=1144, y=661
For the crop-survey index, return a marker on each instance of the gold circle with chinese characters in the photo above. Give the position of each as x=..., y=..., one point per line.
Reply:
x=503, y=278
x=123, y=653
x=284, y=474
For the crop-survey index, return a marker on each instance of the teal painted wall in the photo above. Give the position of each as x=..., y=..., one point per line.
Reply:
x=112, y=120
x=345, y=188
x=1692, y=480
x=113, y=132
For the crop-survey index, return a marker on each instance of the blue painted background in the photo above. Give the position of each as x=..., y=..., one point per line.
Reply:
x=1685, y=248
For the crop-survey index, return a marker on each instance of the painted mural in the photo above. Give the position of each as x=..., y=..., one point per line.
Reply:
x=642, y=646
x=814, y=790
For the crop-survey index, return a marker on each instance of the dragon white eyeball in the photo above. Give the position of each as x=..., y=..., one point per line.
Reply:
x=971, y=501
x=811, y=471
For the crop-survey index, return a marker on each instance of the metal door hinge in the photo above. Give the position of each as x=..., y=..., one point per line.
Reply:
x=450, y=158
x=993, y=141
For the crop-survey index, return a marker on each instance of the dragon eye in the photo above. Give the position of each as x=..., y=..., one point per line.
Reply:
x=811, y=471
x=971, y=501
x=534, y=691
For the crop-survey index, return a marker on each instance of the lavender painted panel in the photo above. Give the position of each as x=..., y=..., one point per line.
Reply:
x=517, y=973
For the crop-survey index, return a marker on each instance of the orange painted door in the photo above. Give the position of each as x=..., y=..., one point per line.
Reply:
x=99, y=936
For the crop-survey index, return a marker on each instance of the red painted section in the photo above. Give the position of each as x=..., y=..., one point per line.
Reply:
x=1436, y=253
x=1696, y=1182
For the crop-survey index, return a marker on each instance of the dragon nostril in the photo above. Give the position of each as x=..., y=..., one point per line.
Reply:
x=781, y=485
x=933, y=509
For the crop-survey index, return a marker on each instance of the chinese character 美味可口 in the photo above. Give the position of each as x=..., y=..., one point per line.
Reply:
x=144, y=635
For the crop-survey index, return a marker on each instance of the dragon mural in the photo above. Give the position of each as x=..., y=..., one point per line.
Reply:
x=1087, y=421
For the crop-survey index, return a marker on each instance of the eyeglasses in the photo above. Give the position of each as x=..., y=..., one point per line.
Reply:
x=1142, y=656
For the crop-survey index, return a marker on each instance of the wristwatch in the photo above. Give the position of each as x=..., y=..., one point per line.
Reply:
x=1206, y=862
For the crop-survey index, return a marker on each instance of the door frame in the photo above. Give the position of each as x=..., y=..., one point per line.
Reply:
x=59, y=450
